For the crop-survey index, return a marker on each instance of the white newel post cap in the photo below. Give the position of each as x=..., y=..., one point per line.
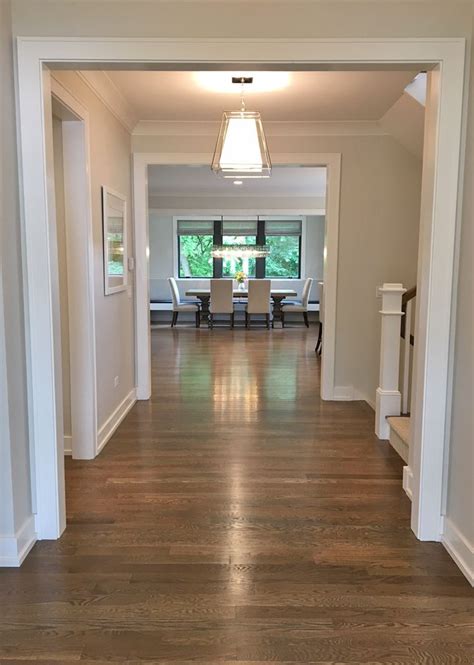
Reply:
x=391, y=299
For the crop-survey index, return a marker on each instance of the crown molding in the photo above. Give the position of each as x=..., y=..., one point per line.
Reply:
x=272, y=128
x=178, y=200
x=105, y=89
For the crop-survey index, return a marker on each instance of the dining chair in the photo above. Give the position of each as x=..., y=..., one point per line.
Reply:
x=298, y=306
x=259, y=300
x=222, y=302
x=179, y=306
x=319, y=343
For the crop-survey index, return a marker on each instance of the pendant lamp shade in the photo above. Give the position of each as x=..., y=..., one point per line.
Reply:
x=241, y=149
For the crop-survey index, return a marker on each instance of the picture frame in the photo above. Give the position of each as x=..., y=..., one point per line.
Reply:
x=115, y=244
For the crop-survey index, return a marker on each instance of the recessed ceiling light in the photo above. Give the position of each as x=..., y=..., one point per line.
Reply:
x=238, y=182
x=262, y=81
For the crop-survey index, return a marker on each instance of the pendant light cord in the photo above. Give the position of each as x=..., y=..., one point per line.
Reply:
x=242, y=100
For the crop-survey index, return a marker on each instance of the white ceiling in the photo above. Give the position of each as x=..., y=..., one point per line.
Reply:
x=317, y=96
x=201, y=181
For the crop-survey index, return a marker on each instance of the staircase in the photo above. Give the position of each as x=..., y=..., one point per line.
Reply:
x=396, y=351
x=399, y=434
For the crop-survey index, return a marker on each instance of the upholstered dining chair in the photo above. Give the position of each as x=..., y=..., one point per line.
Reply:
x=298, y=306
x=259, y=300
x=222, y=302
x=319, y=343
x=179, y=306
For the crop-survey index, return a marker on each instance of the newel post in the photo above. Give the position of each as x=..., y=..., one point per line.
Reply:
x=388, y=397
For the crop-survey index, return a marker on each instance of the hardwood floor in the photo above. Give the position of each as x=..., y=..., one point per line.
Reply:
x=236, y=517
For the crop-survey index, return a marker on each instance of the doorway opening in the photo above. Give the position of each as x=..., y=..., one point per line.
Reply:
x=286, y=214
x=438, y=217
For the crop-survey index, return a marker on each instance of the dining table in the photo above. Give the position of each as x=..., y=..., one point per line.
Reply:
x=277, y=296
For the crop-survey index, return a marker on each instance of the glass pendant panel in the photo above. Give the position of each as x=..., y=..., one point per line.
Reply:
x=241, y=149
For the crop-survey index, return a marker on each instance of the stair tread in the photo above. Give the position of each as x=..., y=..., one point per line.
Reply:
x=400, y=425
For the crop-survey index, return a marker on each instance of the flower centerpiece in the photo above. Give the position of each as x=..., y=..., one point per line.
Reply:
x=240, y=278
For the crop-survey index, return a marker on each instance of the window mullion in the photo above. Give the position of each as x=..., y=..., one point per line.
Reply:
x=218, y=240
x=260, y=262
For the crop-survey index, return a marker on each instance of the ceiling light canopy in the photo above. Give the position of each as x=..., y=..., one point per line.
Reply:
x=241, y=148
x=221, y=82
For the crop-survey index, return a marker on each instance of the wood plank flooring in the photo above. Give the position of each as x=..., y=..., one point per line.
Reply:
x=237, y=517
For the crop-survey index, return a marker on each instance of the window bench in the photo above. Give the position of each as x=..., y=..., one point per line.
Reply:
x=167, y=306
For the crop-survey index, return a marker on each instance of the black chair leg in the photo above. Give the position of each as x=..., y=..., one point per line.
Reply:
x=198, y=319
x=232, y=320
x=211, y=320
x=267, y=319
x=247, y=319
x=305, y=316
x=283, y=319
x=319, y=343
x=174, y=319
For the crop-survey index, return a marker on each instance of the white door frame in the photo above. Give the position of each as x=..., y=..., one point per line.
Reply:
x=80, y=282
x=440, y=218
x=141, y=162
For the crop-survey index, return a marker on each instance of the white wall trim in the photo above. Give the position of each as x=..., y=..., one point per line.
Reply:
x=114, y=420
x=111, y=97
x=14, y=549
x=204, y=212
x=80, y=282
x=272, y=128
x=441, y=212
x=407, y=482
x=460, y=549
x=141, y=162
x=308, y=200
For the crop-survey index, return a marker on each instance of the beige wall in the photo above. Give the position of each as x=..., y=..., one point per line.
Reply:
x=378, y=241
x=114, y=317
x=290, y=18
x=15, y=494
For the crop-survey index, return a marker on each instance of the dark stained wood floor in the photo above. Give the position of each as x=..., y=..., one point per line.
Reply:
x=236, y=517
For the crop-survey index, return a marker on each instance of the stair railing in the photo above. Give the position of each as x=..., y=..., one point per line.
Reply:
x=405, y=334
x=388, y=399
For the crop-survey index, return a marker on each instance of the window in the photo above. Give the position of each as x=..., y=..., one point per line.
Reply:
x=239, y=233
x=195, y=240
x=284, y=240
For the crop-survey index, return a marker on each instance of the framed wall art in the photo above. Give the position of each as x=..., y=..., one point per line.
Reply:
x=114, y=217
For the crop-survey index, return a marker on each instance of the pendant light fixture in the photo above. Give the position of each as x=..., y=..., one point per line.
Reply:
x=239, y=251
x=241, y=149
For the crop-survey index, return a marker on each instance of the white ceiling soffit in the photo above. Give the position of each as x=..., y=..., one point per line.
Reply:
x=417, y=88
x=199, y=181
x=405, y=122
x=299, y=96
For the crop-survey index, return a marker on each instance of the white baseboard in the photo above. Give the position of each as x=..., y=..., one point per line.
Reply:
x=350, y=394
x=459, y=548
x=343, y=394
x=113, y=421
x=13, y=549
x=408, y=482
x=67, y=444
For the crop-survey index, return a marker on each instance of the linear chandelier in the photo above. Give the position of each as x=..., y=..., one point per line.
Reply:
x=240, y=251
x=241, y=148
